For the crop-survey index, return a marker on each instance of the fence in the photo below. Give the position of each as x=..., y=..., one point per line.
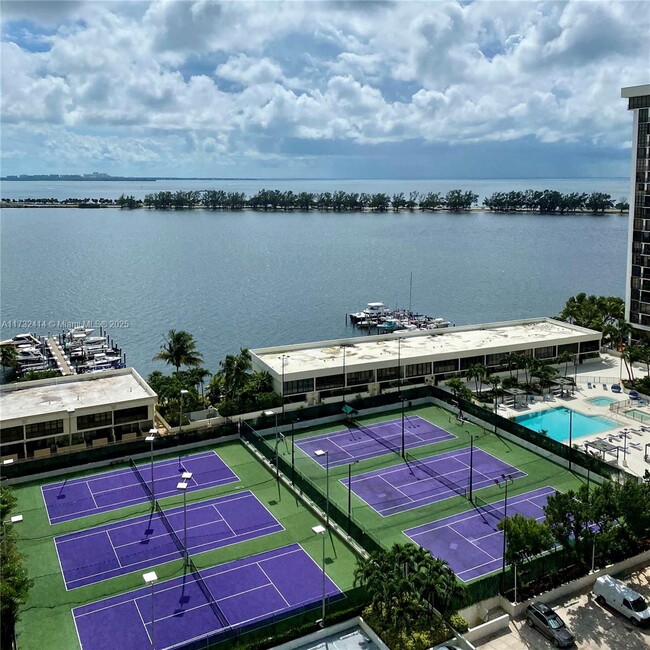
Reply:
x=309, y=489
x=286, y=625
x=558, y=449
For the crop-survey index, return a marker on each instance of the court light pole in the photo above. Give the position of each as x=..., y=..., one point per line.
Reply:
x=70, y=414
x=150, y=579
x=183, y=485
x=180, y=420
x=570, y=437
x=354, y=462
x=150, y=438
x=320, y=530
x=293, y=449
x=284, y=356
x=505, y=481
x=326, y=453
x=269, y=414
x=471, y=467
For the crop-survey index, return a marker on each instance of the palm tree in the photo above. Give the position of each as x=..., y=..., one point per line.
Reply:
x=477, y=372
x=234, y=373
x=564, y=358
x=179, y=349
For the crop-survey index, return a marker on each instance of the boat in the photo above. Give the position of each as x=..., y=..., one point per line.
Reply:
x=22, y=339
x=390, y=325
x=374, y=311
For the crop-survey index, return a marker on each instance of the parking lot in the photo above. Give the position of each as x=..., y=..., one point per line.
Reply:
x=595, y=627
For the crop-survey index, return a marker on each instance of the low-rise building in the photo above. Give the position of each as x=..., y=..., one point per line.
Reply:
x=52, y=416
x=312, y=372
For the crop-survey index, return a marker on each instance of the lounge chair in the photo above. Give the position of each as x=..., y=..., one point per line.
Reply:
x=589, y=385
x=635, y=445
x=604, y=386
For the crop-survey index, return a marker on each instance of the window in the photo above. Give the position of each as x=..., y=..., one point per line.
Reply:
x=547, y=352
x=385, y=374
x=495, y=359
x=589, y=346
x=445, y=366
x=43, y=429
x=330, y=381
x=298, y=386
x=468, y=362
x=418, y=369
x=132, y=414
x=11, y=434
x=94, y=420
x=357, y=378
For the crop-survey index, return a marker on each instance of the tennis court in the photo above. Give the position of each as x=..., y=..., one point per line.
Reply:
x=470, y=541
x=96, y=554
x=371, y=440
x=423, y=481
x=91, y=495
x=245, y=591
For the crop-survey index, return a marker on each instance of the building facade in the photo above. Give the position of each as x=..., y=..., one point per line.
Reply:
x=67, y=414
x=313, y=372
x=637, y=298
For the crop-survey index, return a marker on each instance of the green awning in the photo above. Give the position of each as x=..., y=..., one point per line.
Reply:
x=348, y=410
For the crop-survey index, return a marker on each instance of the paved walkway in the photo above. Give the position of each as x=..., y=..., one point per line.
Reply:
x=595, y=627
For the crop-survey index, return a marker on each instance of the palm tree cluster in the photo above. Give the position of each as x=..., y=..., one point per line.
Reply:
x=406, y=585
x=238, y=390
x=233, y=389
x=602, y=313
x=548, y=201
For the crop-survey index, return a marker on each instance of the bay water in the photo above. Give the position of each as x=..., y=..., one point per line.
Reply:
x=255, y=279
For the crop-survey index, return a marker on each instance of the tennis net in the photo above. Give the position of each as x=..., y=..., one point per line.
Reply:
x=375, y=436
x=427, y=469
x=483, y=506
x=143, y=483
x=170, y=529
x=208, y=594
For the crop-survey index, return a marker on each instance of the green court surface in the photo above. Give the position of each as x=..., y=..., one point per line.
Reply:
x=539, y=470
x=46, y=620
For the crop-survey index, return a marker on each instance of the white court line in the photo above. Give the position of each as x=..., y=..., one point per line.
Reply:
x=144, y=625
x=272, y=584
x=110, y=541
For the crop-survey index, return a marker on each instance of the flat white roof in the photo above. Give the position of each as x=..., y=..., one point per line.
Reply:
x=89, y=391
x=363, y=353
x=635, y=91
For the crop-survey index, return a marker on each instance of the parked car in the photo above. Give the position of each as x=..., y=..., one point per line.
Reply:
x=546, y=620
x=623, y=599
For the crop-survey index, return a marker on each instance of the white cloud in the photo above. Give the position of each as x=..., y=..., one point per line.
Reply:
x=228, y=78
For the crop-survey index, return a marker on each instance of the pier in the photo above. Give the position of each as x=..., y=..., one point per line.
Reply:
x=61, y=361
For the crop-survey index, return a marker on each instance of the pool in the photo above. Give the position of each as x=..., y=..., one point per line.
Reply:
x=601, y=401
x=556, y=423
x=639, y=416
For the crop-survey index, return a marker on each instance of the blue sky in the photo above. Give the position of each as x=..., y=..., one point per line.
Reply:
x=352, y=89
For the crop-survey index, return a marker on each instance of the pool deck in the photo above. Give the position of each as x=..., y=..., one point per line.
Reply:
x=603, y=372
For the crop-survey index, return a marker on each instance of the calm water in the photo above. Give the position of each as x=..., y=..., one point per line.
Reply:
x=556, y=423
x=251, y=280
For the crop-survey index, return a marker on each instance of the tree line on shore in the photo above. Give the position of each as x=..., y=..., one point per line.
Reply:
x=456, y=200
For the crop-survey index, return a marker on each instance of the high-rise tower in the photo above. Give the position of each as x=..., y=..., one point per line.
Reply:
x=637, y=296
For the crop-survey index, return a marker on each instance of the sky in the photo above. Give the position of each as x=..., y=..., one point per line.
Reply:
x=342, y=89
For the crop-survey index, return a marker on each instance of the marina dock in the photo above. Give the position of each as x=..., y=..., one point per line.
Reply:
x=61, y=361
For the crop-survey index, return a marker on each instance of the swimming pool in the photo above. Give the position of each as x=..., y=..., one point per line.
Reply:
x=556, y=423
x=601, y=401
x=639, y=416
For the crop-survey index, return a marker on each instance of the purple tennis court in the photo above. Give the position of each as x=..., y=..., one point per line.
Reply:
x=470, y=541
x=344, y=447
x=114, y=549
x=246, y=592
x=90, y=495
x=395, y=489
